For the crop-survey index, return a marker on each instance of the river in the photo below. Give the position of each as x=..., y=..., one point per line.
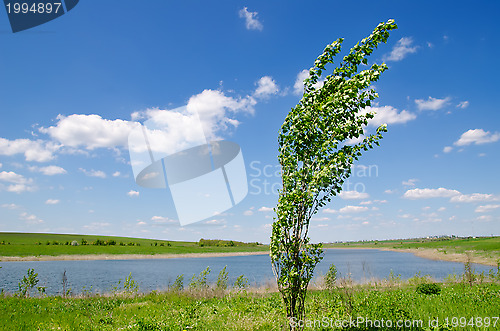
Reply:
x=157, y=274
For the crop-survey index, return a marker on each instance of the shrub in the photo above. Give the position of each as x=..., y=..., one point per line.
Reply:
x=178, y=284
x=241, y=283
x=200, y=281
x=428, y=289
x=222, y=279
x=28, y=283
x=331, y=277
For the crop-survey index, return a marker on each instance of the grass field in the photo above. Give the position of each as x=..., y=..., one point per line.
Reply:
x=472, y=307
x=38, y=244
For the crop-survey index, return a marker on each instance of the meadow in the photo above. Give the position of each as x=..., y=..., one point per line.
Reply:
x=384, y=305
x=44, y=244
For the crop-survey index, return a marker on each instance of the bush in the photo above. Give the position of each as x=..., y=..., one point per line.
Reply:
x=331, y=277
x=222, y=279
x=241, y=283
x=428, y=289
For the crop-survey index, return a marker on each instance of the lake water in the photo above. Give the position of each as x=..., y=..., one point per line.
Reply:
x=157, y=274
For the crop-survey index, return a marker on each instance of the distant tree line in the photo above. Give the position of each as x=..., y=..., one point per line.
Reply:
x=224, y=243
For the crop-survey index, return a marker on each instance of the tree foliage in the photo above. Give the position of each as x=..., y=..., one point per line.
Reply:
x=316, y=157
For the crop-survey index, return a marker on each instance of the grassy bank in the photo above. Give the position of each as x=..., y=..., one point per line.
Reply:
x=484, y=250
x=41, y=244
x=472, y=306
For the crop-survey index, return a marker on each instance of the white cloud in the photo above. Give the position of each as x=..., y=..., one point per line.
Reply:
x=248, y=213
x=388, y=191
x=49, y=170
x=52, y=202
x=94, y=226
x=463, y=104
x=347, y=210
x=266, y=86
x=442, y=209
x=431, y=103
x=410, y=182
x=387, y=115
x=1, y=165
x=353, y=195
x=213, y=108
x=265, y=209
x=133, y=193
x=447, y=149
x=402, y=48
x=89, y=131
x=251, y=21
x=116, y=174
x=352, y=209
x=486, y=208
x=162, y=220
x=428, y=193
x=298, y=86
x=478, y=137
x=30, y=218
x=93, y=173
x=474, y=197
x=18, y=183
x=10, y=206
x=33, y=150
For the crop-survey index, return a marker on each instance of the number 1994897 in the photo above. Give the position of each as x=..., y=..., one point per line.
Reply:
x=35, y=8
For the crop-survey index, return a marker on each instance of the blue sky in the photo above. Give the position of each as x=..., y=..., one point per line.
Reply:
x=71, y=89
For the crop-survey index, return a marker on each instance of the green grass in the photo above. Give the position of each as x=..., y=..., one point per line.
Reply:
x=251, y=311
x=35, y=244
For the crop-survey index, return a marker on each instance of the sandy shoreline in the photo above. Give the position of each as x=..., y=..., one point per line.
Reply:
x=122, y=256
x=433, y=254
x=427, y=253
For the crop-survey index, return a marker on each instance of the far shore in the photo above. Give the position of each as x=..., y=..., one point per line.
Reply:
x=427, y=253
x=433, y=254
x=122, y=256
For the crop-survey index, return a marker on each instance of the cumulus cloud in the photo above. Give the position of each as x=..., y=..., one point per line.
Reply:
x=474, y=197
x=402, y=48
x=431, y=103
x=133, y=193
x=387, y=115
x=16, y=183
x=347, y=210
x=215, y=110
x=298, y=86
x=486, y=208
x=410, y=182
x=93, y=173
x=49, y=170
x=52, y=202
x=447, y=149
x=162, y=220
x=463, y=104
x=30, y=219
x=89, y=131
x=353, y=195
x=265, y=209
x=428, y=193
x=251, y=20
x=266, y=86
x=477, y=137
x=33, y=150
